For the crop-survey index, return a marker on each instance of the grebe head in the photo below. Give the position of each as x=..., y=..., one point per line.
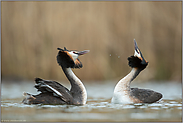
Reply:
x=137, y=60
x=66, y=58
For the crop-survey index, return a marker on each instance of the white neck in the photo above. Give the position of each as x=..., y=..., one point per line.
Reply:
x=77, y=88
x=122, y=89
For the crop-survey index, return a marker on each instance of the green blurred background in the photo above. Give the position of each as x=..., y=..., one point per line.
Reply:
x=32, y=31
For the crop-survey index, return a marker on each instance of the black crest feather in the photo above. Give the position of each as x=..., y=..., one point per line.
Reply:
x=134, y=61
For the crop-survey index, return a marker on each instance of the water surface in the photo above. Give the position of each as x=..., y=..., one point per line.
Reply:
x=98, y=107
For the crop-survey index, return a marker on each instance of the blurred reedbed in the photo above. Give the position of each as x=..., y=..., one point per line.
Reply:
x=32, y=31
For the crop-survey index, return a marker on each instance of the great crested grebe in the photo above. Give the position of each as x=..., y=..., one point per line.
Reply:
x=53, y=92
x=123, y=94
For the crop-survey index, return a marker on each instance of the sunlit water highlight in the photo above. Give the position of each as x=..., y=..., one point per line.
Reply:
x=98, y=107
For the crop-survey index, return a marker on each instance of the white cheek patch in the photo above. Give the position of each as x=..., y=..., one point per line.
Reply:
x=74, y=56
x=137, y=54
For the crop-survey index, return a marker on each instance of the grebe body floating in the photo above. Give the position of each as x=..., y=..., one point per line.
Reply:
x=123, y=94
x=53, y=92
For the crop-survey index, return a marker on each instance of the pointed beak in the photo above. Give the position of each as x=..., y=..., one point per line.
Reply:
x=138, y=53
x=136, y=47
x=137, y=50
x=83, y=52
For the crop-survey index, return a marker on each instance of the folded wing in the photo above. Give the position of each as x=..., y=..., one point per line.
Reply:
x=146, y=95
x=54, y=88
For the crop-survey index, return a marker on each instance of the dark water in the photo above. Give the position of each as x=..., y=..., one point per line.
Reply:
x=98, y=107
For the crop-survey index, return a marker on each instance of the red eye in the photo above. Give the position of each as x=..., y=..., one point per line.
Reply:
x=73, y=52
